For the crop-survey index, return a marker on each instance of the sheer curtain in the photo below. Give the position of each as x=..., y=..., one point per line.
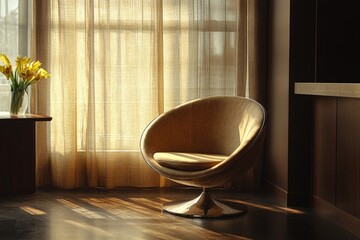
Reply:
x=117, y=64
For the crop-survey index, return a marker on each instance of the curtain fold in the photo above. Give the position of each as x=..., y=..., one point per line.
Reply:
x=117, y=64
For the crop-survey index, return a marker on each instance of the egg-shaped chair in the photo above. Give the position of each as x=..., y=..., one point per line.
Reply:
x=205, y=143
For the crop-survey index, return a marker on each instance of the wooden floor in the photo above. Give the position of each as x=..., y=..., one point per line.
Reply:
x=136, y=214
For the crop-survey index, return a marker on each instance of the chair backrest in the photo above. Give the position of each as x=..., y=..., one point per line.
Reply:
x=222, y=124
x=210, y=125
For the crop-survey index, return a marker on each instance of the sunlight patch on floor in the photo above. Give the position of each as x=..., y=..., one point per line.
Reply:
x=164, y=200
x=90, y=228
x=81, y=210
x=269, y=208
x=32, y=211
x=123, y=208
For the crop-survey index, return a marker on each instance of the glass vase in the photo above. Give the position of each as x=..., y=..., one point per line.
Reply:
x=18, y=103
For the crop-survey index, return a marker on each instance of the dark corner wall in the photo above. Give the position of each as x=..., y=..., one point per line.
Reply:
x=290, y=59
x=313, y=142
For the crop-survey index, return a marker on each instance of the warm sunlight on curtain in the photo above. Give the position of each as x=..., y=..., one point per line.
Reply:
x=117, y=64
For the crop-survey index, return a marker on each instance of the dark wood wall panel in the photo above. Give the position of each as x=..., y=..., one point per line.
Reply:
x=337, y=152
x=301, y=68
x=325, y=148
x=338, y=49
x=348, y=156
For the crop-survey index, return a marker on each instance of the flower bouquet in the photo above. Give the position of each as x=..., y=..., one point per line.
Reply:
x=26, y=73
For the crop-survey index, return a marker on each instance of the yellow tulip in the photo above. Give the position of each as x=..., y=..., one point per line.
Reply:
x=6, y=69
x=25, y=69
x=5, y=59
x=34, y=66
x=21, y=63
x=42, y=73
x=26, y=72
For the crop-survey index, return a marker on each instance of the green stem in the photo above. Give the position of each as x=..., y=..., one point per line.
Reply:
x=17, y=98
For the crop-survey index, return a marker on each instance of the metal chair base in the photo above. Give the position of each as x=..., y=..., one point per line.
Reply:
x=205, y=206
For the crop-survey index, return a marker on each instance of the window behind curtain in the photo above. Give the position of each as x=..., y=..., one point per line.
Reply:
x=122, y=71
x=9, y=27
x=13, y=38
x=117, y=64
x=14, y=27
x=200, y=38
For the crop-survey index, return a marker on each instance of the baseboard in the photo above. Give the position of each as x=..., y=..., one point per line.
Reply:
x=291, y=199
x=275, y=190
x=337, y=216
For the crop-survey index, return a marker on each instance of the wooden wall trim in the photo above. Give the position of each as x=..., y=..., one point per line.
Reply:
x=336, y=215
x=328, y=89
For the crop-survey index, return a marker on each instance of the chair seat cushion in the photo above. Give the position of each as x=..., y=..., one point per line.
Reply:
x=188, y=161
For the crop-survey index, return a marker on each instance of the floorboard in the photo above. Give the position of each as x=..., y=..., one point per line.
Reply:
x=135, y=213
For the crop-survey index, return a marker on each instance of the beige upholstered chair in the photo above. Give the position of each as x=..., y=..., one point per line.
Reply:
x=205, y=143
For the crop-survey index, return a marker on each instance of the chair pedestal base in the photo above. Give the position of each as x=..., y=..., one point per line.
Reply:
x=205, y=206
